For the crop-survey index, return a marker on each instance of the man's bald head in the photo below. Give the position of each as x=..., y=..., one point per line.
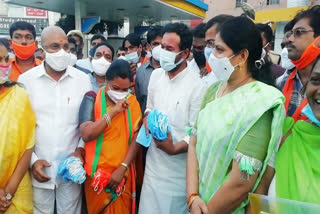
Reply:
x=51, y=32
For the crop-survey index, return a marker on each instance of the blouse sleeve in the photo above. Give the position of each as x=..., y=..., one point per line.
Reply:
x=253, y=147
x=86, y=112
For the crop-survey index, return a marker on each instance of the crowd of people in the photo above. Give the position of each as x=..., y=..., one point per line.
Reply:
x=241, y=118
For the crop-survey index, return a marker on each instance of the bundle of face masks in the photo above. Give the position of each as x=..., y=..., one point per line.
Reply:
x=158, y=125
x=72, y=169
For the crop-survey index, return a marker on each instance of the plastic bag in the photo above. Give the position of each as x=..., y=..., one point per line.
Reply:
x=72, y=169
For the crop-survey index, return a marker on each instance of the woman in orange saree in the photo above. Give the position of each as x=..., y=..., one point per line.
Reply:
x=109, y=122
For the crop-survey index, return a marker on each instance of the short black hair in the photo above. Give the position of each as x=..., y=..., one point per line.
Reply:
x=199, y=31
x=22, y=25
x=104, y=44
x=133, y=38
x=119, y=68
x=5, y=43
x=154, y=32
x=266, y=31
x=220, y=19
x=183, y=32
x=72, y=40
x=98, y=36
x=288, y=26
x=313, y=13
x=120, y=49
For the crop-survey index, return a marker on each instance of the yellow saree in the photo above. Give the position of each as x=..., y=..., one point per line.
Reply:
x=17, y=125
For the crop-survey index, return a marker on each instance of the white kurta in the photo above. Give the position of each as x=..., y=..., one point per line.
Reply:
x=164, y=185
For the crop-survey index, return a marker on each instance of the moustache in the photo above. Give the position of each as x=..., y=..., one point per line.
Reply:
x=289, y=45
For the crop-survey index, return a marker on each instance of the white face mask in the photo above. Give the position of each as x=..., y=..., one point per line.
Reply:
x=167, y=60
x=116, y=96
x=100, y=66
x=149, y=54
x=207, y=52
x=156, y=52
x=11, y=55
x=132, y=57
x=58, y=61
x=222, y=67
x=285, y=61
x=73, y=59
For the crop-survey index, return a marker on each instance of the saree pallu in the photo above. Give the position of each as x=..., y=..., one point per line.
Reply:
x=17, y=126
x=108, y=154
x=222, y=124
x=298, y=163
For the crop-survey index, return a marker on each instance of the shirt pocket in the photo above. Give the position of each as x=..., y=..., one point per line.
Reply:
x=71, y=110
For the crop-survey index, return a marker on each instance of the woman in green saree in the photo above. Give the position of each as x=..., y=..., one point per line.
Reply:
x=239, y=124
x=297, y=174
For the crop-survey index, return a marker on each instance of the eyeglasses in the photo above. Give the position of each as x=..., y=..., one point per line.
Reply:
x=298, y=32
x=210, y=43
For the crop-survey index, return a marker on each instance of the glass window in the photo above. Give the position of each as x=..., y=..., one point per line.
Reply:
x=238, y=2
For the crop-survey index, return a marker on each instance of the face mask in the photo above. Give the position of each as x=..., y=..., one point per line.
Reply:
x=132, y=57
x=263, y=53
x=309, y=113
x=149, y=54
x=167, y=60
x=285, y=61
x=100, y=66
x=156, y=52
x=58, y=61
x=222, y=68
x=116, y=96
x=73, y=59
x=199, y=58
x=122, y=57
x=11, y=55
x=4, y=73
x=24, y=52
x=207, y=52
x=91, y=53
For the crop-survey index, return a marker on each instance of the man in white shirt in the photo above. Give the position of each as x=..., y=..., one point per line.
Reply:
x=56, y=91
x=177, y=92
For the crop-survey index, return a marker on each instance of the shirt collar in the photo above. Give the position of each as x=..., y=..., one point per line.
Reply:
x=179, y=75
x=42, y=72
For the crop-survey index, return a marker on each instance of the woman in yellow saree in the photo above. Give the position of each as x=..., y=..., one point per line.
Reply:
x=108, y=123
x=17, y=125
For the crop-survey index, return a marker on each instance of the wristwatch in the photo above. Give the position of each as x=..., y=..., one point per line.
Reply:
x=8, y=196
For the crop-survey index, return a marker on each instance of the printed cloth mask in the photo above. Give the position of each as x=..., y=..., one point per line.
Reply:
x=132, y=57
x=156, y=52
x=222, y=67
x=58, y=61
x=24, y=52
x=4, y=73
x=167, y=60
x=100, y=66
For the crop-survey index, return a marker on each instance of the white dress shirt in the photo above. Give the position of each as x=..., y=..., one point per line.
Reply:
x=165, y=175
x=56, y=105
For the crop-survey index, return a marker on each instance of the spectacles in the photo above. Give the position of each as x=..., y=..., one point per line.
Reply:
x=210, y=43
x=298, y=32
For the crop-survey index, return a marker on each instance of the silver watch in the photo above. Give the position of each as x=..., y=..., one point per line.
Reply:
x=8, y=196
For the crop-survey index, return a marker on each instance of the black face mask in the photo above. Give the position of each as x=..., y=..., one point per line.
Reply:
x=199, y=58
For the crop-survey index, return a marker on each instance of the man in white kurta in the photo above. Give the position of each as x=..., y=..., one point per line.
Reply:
x=55, y=96
x=177, y=93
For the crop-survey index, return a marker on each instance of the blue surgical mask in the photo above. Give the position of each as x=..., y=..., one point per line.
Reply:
x=167, y=60
x=310, y=115
x=91, y=53
x=132, y=57
x=207, y=52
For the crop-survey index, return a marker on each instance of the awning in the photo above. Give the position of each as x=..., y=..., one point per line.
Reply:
x=117, y=10
x=277, y=15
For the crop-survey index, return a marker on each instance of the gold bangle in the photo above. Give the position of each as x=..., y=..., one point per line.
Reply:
x=192, y=199
x=107, y=118
x=125, y=165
